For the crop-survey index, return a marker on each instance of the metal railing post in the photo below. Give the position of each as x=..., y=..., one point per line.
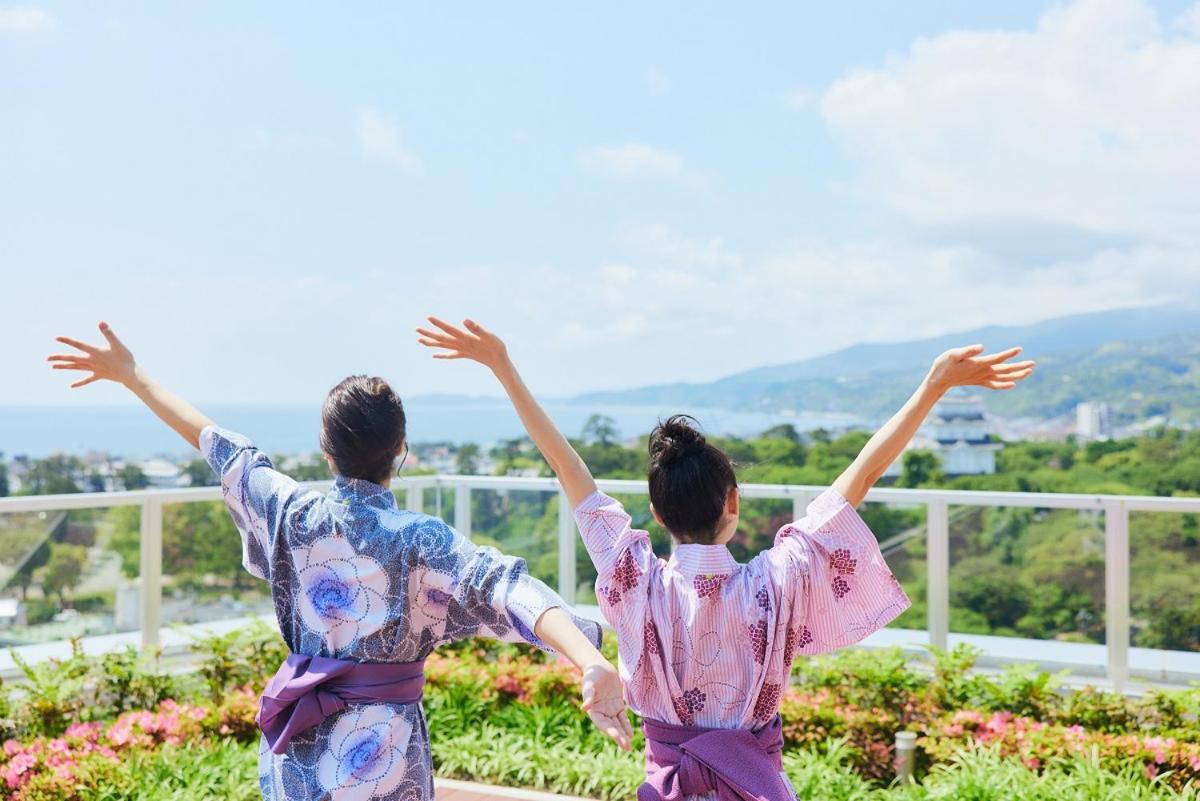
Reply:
x=462, y=509
x=566, y=549
x=938, y=566
x=414, y=499
x=800, y=505
x=150, y=572
x=1116, y=592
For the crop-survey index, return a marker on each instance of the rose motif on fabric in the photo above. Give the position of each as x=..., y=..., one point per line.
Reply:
x=768, y=701
x=429, y=594
x=709, y=585
x=758, y=641
x=612, y=596
x=343, y=596
x=841, y=588
x=366, y=754
x=842, y=562
x=688, y=705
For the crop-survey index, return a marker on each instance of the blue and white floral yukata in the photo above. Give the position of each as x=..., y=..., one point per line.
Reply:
x=355, y=577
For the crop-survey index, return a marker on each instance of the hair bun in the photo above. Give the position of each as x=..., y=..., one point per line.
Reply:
x=677, y=436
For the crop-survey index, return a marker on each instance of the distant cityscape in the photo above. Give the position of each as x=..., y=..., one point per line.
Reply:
x=961, y=432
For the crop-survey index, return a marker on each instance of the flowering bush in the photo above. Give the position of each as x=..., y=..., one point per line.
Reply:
x=485, y=700
x=58, y=758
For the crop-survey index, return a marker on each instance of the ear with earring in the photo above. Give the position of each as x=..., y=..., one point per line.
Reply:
x=403, y=458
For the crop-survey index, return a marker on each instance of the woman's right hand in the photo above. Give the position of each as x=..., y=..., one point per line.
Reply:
x=113, y=363
x=962, y=367
x=475, y=343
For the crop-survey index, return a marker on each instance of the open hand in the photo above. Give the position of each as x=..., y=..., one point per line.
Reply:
x=961, y=367
x=114, y=363
x=604, y=703
x=475, y=343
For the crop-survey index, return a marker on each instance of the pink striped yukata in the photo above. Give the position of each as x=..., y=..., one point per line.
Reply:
x=707, y=641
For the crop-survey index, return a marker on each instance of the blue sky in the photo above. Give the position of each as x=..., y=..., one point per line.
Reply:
x=264, y=197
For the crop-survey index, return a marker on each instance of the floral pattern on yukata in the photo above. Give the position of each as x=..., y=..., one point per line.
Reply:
x=706, y=641
x=353, y=576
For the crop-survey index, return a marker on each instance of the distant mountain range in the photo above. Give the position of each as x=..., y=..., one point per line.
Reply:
x=1143, y=361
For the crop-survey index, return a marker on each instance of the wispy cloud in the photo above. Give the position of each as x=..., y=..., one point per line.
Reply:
x=26, y=19
x=379, y=137
x=633, y=160
x=1089, y=122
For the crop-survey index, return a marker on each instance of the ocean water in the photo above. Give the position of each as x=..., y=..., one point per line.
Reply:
x=133, y=432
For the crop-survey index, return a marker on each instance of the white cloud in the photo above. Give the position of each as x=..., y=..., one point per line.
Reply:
x=664, y=244
x=634, y=160
x=1090, y=123
x=380, y=139
x=26, y=19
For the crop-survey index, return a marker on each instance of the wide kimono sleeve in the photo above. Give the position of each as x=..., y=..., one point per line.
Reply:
x=264, y=503
x=486, y=592
x=836, y=584
x=624, y=562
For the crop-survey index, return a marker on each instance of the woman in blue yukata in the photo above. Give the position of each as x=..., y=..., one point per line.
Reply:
x=363, y=591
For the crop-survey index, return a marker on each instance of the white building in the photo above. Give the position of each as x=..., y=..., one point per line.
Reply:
x=961, y=436
x=1093, y=421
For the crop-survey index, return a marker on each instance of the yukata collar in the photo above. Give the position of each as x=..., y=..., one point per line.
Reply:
x=693, y=559
x=360, y=491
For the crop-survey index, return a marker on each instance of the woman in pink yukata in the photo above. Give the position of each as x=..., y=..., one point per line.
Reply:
x=706, y=644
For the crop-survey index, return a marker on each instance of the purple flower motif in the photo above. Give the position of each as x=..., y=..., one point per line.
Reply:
x=365, y=758
x=343, y=596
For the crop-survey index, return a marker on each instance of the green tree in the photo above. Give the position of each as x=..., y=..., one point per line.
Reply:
x=919, y=468
x=466, y=459
x=64, y=570
x=53, y=475
x=600, y=429
x=3, y=476
x=132, y=477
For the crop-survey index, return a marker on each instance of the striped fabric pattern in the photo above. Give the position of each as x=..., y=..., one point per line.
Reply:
x=707, y=641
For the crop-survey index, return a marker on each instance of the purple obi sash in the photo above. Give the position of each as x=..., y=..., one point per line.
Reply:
x=740, y=765
x=308, y=689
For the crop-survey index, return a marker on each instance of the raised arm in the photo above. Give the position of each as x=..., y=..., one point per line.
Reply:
x=116, y=363
x=480, y=345
x=954, y=368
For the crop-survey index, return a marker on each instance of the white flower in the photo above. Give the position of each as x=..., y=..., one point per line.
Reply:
x=365, y=758
x=343, y=596
x=429, y=596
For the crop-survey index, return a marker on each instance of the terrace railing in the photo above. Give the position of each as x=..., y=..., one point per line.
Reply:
x=1111, y=660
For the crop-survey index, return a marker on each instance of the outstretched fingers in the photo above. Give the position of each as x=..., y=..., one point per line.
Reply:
x=1002, y=356
x=75, y=343
x=453, y=330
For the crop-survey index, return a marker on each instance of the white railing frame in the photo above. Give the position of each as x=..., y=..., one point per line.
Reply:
x=1115, y=508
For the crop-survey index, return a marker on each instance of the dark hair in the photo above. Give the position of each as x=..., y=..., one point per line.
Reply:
x=362, y=428
x=690, y=479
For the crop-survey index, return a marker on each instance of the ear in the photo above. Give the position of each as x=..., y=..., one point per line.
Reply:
x=403, y=445
x=657, y=519
x=733, y=501
x=329, y=461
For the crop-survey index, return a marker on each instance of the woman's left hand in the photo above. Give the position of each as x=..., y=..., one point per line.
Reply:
x=604, y=702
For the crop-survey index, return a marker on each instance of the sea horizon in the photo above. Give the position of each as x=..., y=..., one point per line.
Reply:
x=131, y=431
